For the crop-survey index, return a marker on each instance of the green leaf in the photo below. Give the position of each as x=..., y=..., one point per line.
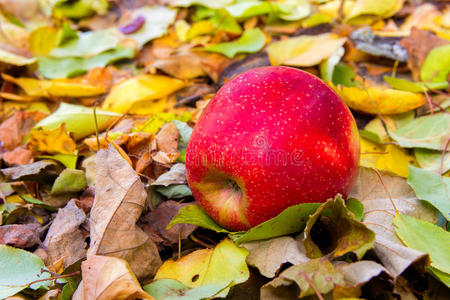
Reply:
x=68, y=160
x=157, y=20
x=430, y=132
x=292, y=219
x=18, y=269
x=432, y=188
x=292, y=10
x=222, y=20
x=356, y=207
x=415, y=87
x=53, y=67
x=344, y=74
x=14, y=59
x=175, y=191
x=206, y=3
x=38, y=202
x=348, y=234
x=78, y=119
x=171, y=289
x=194, y=214
x=68, y=289
x=76, y=9
x=69, y=181
x=437, y=65
x=252, y=40
x=327, y=66
x=88, y=44
x=442, y=276
x=425, y=237
x=247, y=9
x=317, y=274
x=185, y=132
x=431, y=160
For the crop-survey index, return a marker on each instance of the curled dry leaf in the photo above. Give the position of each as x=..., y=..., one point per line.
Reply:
x=20, y=235
x=106, y=278
x=119, y=201
x=383, y=198
x=155, y=224
x=64, y=240
x=41, y=171
x=269, y=255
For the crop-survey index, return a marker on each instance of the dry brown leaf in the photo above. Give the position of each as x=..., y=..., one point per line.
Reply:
x=20, y=235
x=86, y=200
x=16, y=127
x=269, y=255
x=120, y=198
x=382, y=199
x=18, y=156
x=167, y=138
x=183, y=65
x=106, y=278
x=156, y=221
x=418, y=44
x=64, y=239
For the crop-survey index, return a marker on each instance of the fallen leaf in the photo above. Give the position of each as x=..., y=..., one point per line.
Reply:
x=425, y=237
x=141, y=88
x=54, y=88
x=40, y=170
x=382, y=198
x=20, y=235
x=431, y=160
x=252, y=40
x=346, y=233
x=171, y=289
x=167, y=138
x=206, y=3
x=432, y=188
x=390, y=158
x=319, y=272
x=19, y=268
x=364, y=9
x=69, y=181
x=175, y=191
x=155, y=223
x=15, y=59
x=64, y=240
x=305, y=50
x=183, y=65
x=55, y=141
x=270, y=255
x=415, y=87
x=176, y=175
x=378, y=100
x=430, y=132
x=437, y=65
x=119, y=200
x=223, y=265
x=17, y=156
x=106, y=277
x=78, y=119
x=55, y=67
x=14, y=129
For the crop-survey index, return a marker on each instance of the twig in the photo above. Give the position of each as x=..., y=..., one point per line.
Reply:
x=319, y=295
x=385, y=188
x=54, y=277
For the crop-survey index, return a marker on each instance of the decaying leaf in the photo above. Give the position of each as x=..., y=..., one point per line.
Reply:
x=106, y=277
x=173, y=289
x=269, y=255
x=167, y=138
x=64, y=240
x=41, y=171
x=55, y=141
x=383, y=197
x=119, y=200
x=20, y=235
x=346, y=233
x=225, y=264
x=176, y=175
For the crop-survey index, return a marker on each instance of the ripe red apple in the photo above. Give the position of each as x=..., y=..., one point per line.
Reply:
x=270, y=138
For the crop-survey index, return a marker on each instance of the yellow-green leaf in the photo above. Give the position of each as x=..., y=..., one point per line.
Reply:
x=252, y=40
x=305, y=50
x=364, y=9
x=141, y=90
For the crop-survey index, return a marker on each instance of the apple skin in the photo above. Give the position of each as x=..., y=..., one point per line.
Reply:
x=270, y=138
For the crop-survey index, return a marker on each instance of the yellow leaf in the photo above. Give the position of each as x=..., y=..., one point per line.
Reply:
x=54, y=88
x=305, y=50
x=43, y=39
x=363, y=10
x=390, y=158
x=379, y=100
x=141, y=89
x=223, y=265
x=331, y=8
x=52, y=141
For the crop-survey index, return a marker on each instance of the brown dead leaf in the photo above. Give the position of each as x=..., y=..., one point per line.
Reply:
x=86, y=200
x=382, y=199
x=418, y=44
x=120, y=198
x=106, y=278
x=20, y=235
x=18, y=156
x=183, y=65
x=64, y=239
x=156, y=221
x=167, y=138
x=42, y=170
x=143, y=162
x=16, y=127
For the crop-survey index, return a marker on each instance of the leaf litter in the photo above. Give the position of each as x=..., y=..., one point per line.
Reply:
x=99, y=99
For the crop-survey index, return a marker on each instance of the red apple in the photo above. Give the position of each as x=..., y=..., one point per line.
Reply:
x=270, y=138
